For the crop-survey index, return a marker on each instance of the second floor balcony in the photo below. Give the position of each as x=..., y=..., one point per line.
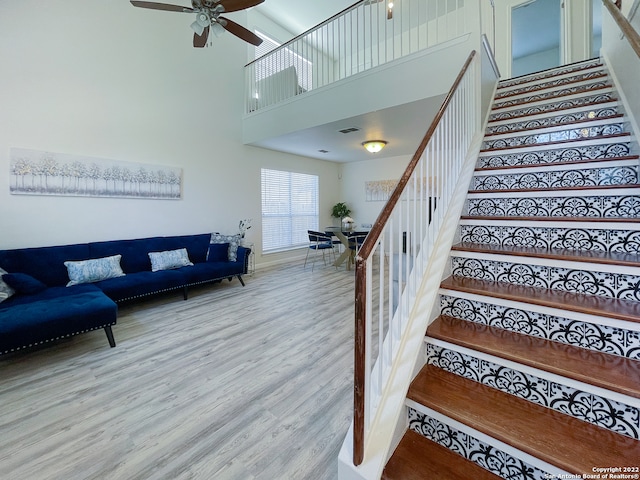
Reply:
x=368, y=58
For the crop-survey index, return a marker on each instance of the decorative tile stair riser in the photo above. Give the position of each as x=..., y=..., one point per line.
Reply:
x=571, y=70
x=574, y=153
x=571, y=117
x=584, y=239
x=600, y=338
x=600, y=411
x=550, y=95
x=589, y=207
x=616, y=175
x=583, y=132
x=558, y=82
x=521, y=110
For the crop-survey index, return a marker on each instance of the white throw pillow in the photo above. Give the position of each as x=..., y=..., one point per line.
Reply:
x=94, y=270
x=169, y=259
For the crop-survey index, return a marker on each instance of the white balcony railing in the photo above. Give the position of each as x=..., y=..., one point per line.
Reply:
x=365, y=35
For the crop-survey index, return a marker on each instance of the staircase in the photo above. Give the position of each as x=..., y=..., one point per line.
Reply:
x=532, y=369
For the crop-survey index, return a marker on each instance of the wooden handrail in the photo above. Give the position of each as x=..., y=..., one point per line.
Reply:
x=627, y=29
x=360, y=282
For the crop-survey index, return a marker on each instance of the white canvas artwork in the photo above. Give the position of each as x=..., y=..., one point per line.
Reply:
x=379, y=190
x=35, y=172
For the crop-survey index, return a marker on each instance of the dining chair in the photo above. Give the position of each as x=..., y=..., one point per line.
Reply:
x=319, y=242
x=334, y=239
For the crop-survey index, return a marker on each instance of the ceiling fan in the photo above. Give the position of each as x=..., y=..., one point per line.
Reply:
x=208, y=17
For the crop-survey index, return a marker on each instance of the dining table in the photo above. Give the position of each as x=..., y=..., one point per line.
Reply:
x=345, y=235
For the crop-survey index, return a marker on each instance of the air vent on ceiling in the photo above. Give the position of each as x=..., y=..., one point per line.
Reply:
x=323, y=151
x=349, y=130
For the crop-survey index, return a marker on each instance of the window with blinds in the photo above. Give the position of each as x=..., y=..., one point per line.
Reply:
x=281, y=60
x=289, y=209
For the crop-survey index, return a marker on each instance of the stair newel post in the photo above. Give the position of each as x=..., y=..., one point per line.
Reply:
x=359, y=397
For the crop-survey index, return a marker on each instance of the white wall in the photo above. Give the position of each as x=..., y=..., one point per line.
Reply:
x=106, y=79
x=353, y=178
x=275, y=31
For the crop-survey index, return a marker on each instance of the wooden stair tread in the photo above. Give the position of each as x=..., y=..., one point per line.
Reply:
x=603, y=370
x=562, y=189
x=619, y=309
x=554, y=219
x=417, y=458
x=558, y=142
x=552, y=164
x=566, y=442
x=591, y=256
x=553, y=125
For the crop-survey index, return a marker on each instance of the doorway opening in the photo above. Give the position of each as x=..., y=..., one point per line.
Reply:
x=535, y=37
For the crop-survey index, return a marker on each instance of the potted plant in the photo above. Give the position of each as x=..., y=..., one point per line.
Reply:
x=340, y=210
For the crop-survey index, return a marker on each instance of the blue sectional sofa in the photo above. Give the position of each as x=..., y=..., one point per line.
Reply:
x=49, y=293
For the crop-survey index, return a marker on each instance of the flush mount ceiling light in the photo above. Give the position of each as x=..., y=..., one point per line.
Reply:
x=374, y=146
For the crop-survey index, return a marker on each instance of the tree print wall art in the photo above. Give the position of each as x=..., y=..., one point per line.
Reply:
x=379, y=190
x=34, y=172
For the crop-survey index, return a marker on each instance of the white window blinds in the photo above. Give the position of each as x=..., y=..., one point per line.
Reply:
x=289, y=209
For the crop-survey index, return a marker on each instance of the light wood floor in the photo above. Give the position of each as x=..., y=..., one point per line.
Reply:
x=234, y=383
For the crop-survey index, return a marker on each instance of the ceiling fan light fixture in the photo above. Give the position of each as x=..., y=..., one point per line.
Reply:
x=374, y=146
x=202, y=21
x=196, y=27
x=217, y=29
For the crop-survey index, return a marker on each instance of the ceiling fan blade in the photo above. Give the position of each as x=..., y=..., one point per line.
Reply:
x=161, y=6
x=239, y=31
x=235, y=5
x=200, y=41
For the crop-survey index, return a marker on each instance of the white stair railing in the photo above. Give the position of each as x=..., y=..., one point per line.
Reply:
x=391, y=264
x=366, y=35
